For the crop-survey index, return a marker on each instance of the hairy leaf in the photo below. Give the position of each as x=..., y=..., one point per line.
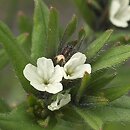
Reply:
x=4, y=60
x=90, y=119
x=101, y=82
x=53, y=33
x=16, y=54
x=113, y=93
x=39, y=35
x=18, y=119
x=3, y=107
x=116, y=111
x=96, y=45
x=70, y=29
x=24, y=23
x=112, y=57
x=86, y=12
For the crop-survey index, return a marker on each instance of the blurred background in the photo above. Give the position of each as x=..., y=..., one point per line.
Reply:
x=11, y=12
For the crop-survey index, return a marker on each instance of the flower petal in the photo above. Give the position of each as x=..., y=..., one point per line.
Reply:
x=57, y=74
x=53, y=106
x=30, y=73
x=54, y=88
x=119, y=13
x=124, y=14
x=38, y=86
x=80, y=56
x=45, y=68
x=123, y=3
x=115, y=6
x=79, y=71
x=61, y=101
x=66, y=98
x=119, y=23
x=71, y=65
x=76, y=60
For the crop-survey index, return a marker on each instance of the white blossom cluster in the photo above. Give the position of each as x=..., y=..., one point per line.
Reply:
x=47, y=77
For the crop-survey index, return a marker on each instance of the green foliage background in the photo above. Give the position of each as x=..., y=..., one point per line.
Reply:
x=8, y=81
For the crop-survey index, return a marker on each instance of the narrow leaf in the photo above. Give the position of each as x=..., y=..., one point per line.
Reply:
x=24, y=23
x=70, y=29
x=53, y=33
x=3, y=106
x=16, y=54
x=95, y=122
x=116, y=111
x=4, y=60
x=18, y=119
x=24, y=41
x=101, y=83
x=86, y=12
x=123, y=102
x=112, y=57
x=113, y=93
x=96, y=45
x=112, y=114
x=98, y=74
x=39, y=36
x=70, y=115
x=83, y=86
x=93, y=101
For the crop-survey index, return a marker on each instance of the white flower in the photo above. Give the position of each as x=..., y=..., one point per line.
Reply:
x=120, y=13
x=44, y=77
x=75, y=67
x=61, y=101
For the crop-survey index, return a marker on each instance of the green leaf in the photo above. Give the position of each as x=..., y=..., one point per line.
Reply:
x=70, y=115
x=53, y=33
x=3, y=107
x=24, y=23
x=86, y=12
x=92, y=120
x=98, y=74
x=96, y=5
x=101, y=82
x=93, y=101
x=83, y=87
x=22, y=38
x=123, y=102
x=113, y=93
x=16, y=54
x=4, y=60
x=112, y=57
x=115, y=112
x=39, y=36
x=70, y=29
x=119, y=36
x=66, y=125
x=25, y=27
x=96, y=45
x=18, y=119
x=24, y=41
x=81, y=34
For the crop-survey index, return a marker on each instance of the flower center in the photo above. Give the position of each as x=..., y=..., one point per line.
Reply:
x=46, y=82
x=69, y=73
